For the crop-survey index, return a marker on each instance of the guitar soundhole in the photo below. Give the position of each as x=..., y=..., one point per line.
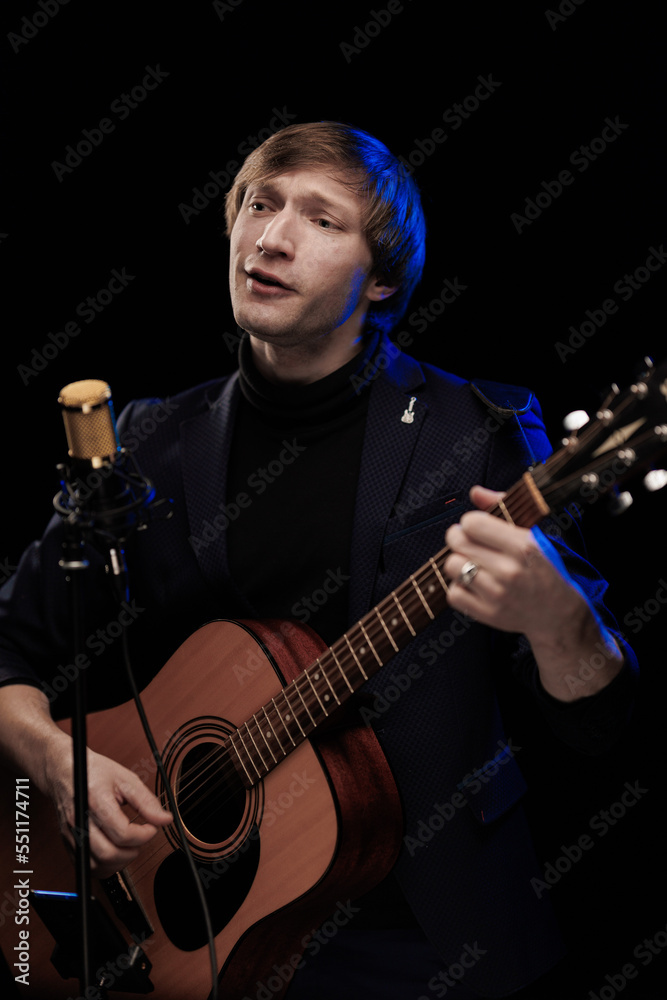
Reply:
x=220, y=816
x=210, y=799
x=216, y=809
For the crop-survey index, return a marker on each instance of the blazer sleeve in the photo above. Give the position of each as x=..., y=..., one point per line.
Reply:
x=590, y=724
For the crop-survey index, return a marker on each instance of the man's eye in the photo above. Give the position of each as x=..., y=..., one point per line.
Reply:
x=326, y=224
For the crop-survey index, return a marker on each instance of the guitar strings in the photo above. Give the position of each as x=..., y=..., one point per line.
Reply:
x=336, y=660
x=339, y=657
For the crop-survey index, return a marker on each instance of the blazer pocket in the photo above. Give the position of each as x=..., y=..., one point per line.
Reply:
x=495, y=787
x=409, y=517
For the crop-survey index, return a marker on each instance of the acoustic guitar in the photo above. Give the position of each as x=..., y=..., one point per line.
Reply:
x=287, y=804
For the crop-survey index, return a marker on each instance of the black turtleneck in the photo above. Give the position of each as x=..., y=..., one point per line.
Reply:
x=296, y=453
x=289, y=551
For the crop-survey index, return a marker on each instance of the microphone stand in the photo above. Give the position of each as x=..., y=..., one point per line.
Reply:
x=111, y=525
x=74, y=565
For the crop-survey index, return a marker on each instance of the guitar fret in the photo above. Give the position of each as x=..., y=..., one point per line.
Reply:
x=296, y=688
x=248, y=755
x=405, y=619
x=273, y=730
x=326, y=677
x=316, y=677
x=506, y=513
x=342, y=673
x=439, y=575
x=389, y=635
x=421, y=596
x=361, y=669
x=268, y=747
x=370, y=644
x=240, y=759
x=273, y=702
x=257, y=749
x=293, y=713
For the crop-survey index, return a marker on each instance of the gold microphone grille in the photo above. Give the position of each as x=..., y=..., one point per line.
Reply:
x=89, y=420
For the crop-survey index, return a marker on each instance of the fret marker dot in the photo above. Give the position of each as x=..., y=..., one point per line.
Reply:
x=326, y=697
x=287, y=718
x=316, y=677
x=394, y=622
x=431, y=588
x=362, y=650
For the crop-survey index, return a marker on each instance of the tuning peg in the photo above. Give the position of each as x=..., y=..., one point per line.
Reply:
x=655, y=480
x=619, y=502
x=575, y=420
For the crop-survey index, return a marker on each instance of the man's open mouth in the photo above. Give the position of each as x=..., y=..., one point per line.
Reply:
x=267, y=279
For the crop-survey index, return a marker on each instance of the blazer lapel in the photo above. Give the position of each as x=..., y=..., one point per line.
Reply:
x=206, y=441
x=388, y=446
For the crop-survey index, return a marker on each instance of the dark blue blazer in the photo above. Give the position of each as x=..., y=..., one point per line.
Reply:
x=467, y=861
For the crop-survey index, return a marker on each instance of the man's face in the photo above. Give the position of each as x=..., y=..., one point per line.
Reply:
x=300, y=266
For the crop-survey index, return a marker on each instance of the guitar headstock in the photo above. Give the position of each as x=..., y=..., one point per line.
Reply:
x=627, y=433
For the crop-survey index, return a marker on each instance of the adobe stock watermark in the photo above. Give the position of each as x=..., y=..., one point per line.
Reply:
x=311, y=944
x=625, y=288
x=600, y=824
x=565, y=11
x=121, y=107
x=437, y=477
x=400, y=682
x=258, y=481
x=140, y=430
x=581, y=158
x=419, y=319
x=448, y=978
x=454, y=117
x=114, y=970
x=222, y=7
x=32, y=25
x=470, y=785
x=96, y=643
x=219, y=181
x=641, y=615
x=88, y=310
x=364, y=34
x=645, y=952
x=307, y=606
x=255, y=660
x=635, y=620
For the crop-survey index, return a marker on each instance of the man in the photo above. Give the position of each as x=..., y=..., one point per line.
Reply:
x=294, y=485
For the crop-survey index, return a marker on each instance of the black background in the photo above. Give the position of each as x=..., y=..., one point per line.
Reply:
x=557, y=78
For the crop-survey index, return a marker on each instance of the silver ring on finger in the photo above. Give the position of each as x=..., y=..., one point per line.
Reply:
x=468, y=573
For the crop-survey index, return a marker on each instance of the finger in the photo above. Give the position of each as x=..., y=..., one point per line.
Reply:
x=493, y=533
x=465, y=546
x=106, y=857
x=115, y=823
x=134, y=793
x=484, y=498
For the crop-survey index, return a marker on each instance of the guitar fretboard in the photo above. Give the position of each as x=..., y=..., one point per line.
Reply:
x=296, y=712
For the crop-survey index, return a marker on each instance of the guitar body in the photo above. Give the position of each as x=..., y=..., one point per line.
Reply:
x=274, y=860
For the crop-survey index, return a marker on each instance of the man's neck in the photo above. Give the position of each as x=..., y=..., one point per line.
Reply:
x=302, y=364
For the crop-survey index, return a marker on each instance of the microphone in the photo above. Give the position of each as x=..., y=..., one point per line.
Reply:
x=90, y=423
x=103, y=490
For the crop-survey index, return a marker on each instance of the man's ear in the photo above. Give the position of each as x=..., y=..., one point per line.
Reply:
x=377, y=290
